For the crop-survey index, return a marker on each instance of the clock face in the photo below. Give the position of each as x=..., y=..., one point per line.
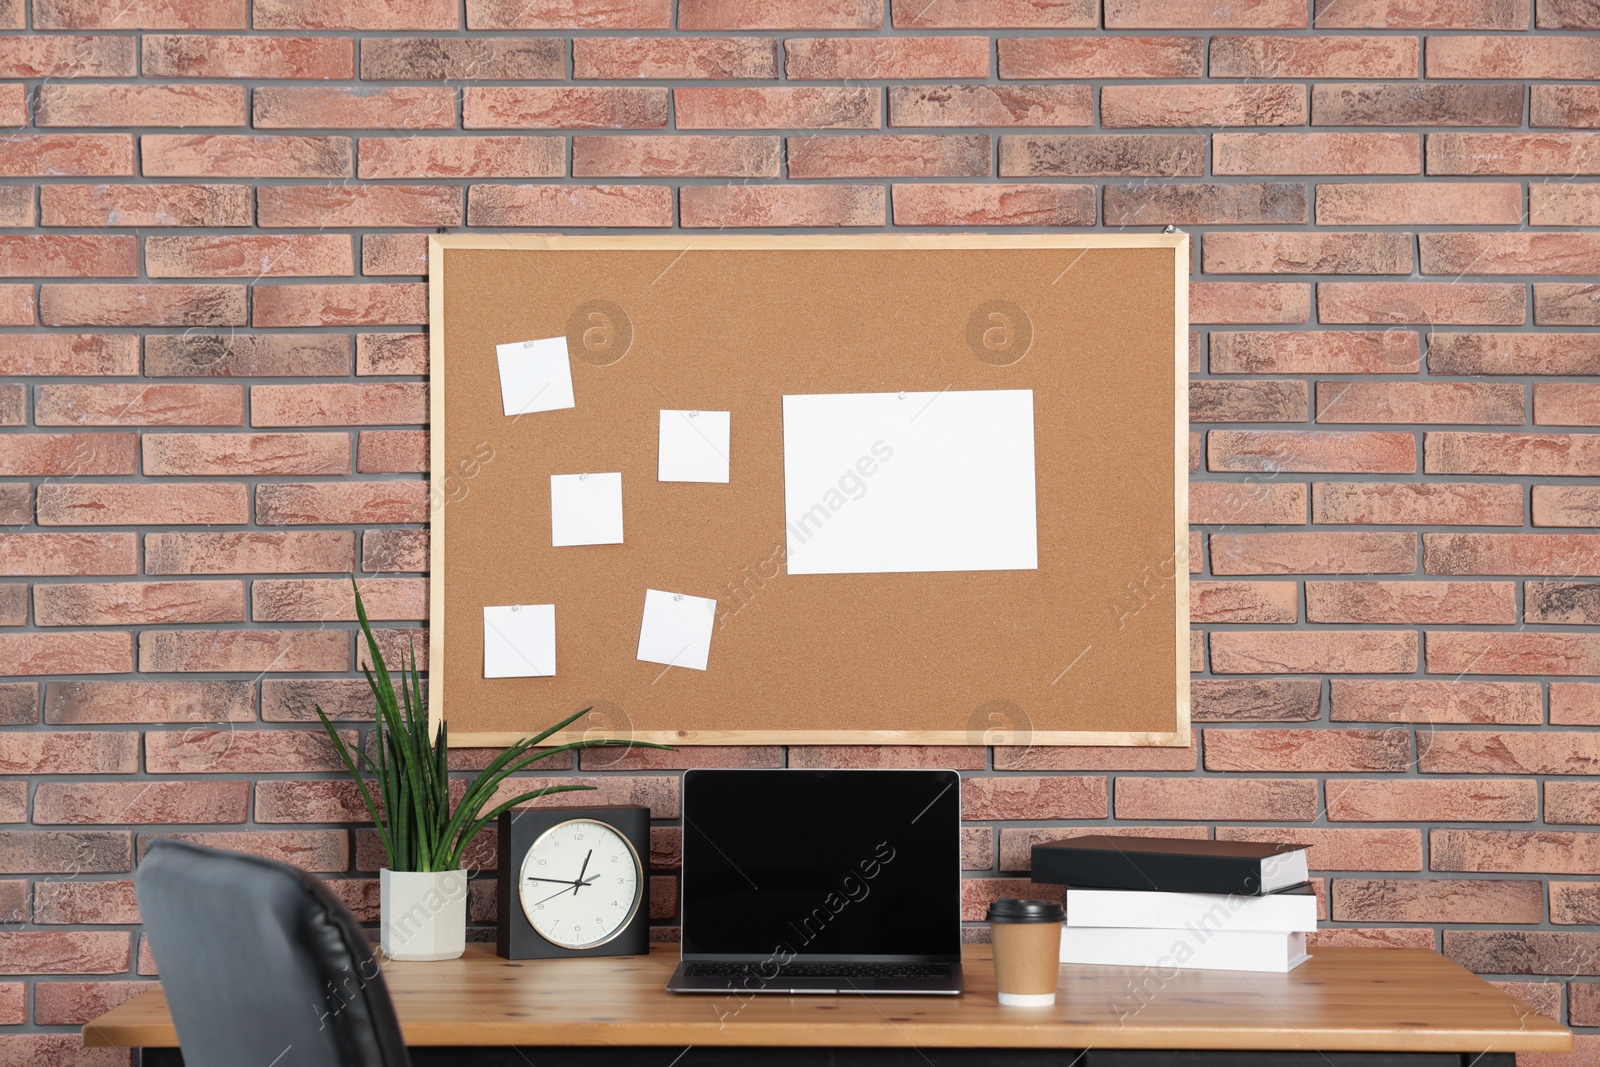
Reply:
x=580, y=883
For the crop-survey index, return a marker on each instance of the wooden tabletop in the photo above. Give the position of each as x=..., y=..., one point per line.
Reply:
x=1358, y=999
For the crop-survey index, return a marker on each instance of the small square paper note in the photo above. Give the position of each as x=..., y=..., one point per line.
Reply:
x=535, y=376
x=677, y=629
x=585, y=509
x=694, y=446
x=519, y=641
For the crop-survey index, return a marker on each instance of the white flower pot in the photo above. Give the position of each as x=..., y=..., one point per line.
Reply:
x=424, y=914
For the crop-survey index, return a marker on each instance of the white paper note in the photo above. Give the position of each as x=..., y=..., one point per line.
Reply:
x=694, y=446
x=585, y=509
x=535, y=376
x=519, y=641
x=677, y=629
x=893, y=482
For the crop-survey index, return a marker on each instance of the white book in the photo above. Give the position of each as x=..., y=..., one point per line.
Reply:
x=1254, y=950
x=1291, y=910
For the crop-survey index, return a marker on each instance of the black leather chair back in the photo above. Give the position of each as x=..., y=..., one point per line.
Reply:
x=261, y=964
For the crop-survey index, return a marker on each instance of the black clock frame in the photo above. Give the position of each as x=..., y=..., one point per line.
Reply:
x=515, y=937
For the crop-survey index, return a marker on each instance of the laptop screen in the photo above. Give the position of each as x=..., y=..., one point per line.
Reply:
x=821, y=863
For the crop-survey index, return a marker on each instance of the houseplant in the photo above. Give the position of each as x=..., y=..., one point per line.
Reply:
x=423, y=890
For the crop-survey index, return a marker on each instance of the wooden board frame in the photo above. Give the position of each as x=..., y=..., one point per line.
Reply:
x=1177, y=242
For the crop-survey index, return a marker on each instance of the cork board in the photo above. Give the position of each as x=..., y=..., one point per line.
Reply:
x=1091, y=648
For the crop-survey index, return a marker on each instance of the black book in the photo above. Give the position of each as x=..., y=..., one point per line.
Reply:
x=1170, y=865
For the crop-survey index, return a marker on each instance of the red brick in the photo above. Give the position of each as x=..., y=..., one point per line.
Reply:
x=1574, y=704
x=1567, y=14
x=68, y=255
x=1028, y=797
x=141, y=15
x=792, y=15
x=1202, y=105
x=1420, y=402
x=1320, y=352
x=370, y=15
x=1412, y=503
x=13, y=1001
x=309, y=850
x=1411, y=602
x=1422, y=203
x=1561, y=555
x=993, y=205
x=69, y=354
x=787, y=205
x=346, y=205
x=1564, y=154
x=68, y=553
x=1450, y=303
x=1073, y=155
x=1435, y=801
x=331, y=599
x=78, y=752
x=140, y=105
x=1247, y=503
x=142, y=305
x=73, y=852
x=69, y=703
x=885, y=58
x=1566, y=404
x=1314, y=652
x=296, y=700
x=1243, y=800
x=670, y=157
x=1307, y=253
x=72, y=454
x=1566, y=305
x=18, y=306
x=1563, y=603
x=986, y=106
x=1407, y=15
x=246, y=453
x=249, y=552
x=1576, y=106
x=137, y=603
x=1343, y=56
x=392, y=452
x=239, y=355
x=384, y=551
x=1255, y=699
x=1248, y=401
x=249, y=255
x=1204, y=14
x=394, y=253
x=1342, y=850
x=1259, y=749
x=978, y=893
x=1205, y=204
x=148, y=405
x=65, y=952
x=13, y=611
x=245, y=156
x=149, y=204
x=310, y=802
x=1413, y=900
x=359, y=304
x=1513, y=653
x=891, y=156
x=1004, y=14
x=339, y=405
x=1436, y=702
x=316, y=503
x=1574, y=902
x=1574, y=58
x=1317, y=153
x=1094, y=56
x=1314, y=450
x=254, y=57
x=569, y=14
x=1563, y=204
x=1585, y=1004
x=1514, y=851
x=1508, y=752
x=140, y=802
x=436, y=157
x=569, y=205
x=76, y=1003
x=243, y=650
x=1416, y=104
x=67, y=154
x=58, y=56
x=1572, y=802
x=344, y=108
x=1512, y=453
x=1510, y=253
x=440, y=59
x=1566, y=505
x=688, y=58
x=1513, y=353
x=16, y=203
x=392, y=353
x=564, y=107
x=52, y=1049
x=797, y=107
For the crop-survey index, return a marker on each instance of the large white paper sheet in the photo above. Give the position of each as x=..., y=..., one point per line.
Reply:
x=519, y=641
x=535, y=376
x=896, y=482
x=585, y=509
x=677, y=629
x=693, y=446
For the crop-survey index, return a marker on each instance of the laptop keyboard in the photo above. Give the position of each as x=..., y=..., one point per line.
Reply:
x=764, y=972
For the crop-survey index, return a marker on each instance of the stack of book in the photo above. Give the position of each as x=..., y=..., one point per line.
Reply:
x=1178, y=903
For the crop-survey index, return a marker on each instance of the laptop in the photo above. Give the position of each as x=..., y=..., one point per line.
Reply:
x=798, y=881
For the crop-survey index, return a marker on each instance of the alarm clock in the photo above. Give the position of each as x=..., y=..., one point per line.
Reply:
x=573, y=882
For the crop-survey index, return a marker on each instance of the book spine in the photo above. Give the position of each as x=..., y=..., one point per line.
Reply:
x=1148, y=871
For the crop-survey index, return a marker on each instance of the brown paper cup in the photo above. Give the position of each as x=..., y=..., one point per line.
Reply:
x=1026, y=936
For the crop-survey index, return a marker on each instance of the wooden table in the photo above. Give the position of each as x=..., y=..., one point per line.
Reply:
x=1347, y=1006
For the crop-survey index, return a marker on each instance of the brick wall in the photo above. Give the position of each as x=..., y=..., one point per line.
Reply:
x=214, y=219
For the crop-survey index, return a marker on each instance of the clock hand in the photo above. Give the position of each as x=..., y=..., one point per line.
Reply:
x=536, y=878
x=582, y=871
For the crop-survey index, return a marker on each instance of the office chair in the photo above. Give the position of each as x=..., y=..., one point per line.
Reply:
x=261, y=964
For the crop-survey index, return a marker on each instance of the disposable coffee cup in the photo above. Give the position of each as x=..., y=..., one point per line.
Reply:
x=1026, y=935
